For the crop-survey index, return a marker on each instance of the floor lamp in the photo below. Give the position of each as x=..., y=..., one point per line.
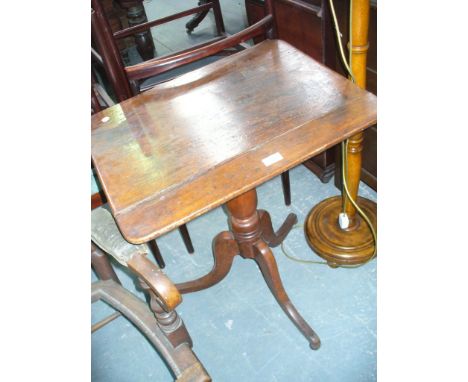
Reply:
x=334, y=228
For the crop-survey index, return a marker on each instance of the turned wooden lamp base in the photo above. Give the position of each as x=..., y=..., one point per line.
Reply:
x=337, y=246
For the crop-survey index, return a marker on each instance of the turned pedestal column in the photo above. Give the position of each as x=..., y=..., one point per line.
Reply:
x=251, y=237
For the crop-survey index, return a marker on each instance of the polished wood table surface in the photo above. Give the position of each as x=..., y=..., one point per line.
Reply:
x=210, y=137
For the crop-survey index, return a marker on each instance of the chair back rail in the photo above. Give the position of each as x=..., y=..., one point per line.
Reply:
x=122, y=77
x=160, y=65
x=149, y=24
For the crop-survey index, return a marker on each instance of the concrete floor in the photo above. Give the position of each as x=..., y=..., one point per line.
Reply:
x=239, y=331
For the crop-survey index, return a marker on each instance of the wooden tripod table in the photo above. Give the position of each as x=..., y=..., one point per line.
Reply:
x=210, y=137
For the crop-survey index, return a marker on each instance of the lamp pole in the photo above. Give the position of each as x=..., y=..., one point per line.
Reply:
x=354, y=244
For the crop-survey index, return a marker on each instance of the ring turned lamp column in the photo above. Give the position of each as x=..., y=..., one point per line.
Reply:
x=355, y=244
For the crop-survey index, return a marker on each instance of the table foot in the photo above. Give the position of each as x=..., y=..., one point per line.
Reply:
x=267, y=263
x=272, y=238
x=253, y=231
x=224, y=250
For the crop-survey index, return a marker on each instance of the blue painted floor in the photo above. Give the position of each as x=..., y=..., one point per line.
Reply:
x=238, y=330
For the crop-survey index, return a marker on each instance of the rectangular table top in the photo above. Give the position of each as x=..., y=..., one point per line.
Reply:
x=193, y=143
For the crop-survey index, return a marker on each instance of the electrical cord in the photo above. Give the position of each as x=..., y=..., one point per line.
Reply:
x=344, y=144
x=296, y=258
x=338, y=37
x=344, y=152
x=304, y=261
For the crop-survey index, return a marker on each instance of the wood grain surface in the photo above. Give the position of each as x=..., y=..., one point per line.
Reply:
x=191, y=144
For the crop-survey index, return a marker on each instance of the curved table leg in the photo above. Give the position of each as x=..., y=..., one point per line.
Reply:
x=224, y=250
x=266, y=262
x=272, y=238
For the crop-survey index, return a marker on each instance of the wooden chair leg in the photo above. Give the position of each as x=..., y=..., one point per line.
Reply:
x=286, y=187
x=267, y=263
x=181, y=359
x=218, y=17
x=186, y=237
x=169, y=321
x=157, y=253
x=153, y=246
x=101, y=264
x=197, y=19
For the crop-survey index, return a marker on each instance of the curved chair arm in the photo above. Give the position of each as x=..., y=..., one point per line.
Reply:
x=167, y=294
x=180, y=358
x=106, y=235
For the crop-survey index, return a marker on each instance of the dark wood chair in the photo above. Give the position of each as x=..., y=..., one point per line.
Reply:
x=159, y=321
x=127, y=13
x=128, y=81
x=106, y=43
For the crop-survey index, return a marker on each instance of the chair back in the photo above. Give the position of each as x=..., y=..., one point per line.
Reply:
x=126, y=80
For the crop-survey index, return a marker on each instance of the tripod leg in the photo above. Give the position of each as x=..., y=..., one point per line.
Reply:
x=267, y=263
x=273, y=238
x=224, y=250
